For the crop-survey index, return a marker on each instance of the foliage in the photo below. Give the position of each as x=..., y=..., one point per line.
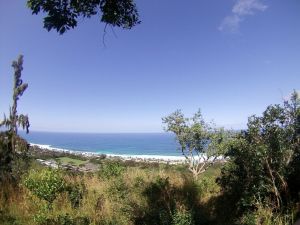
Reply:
x=19, y=88
x=265, y=216
x=75, y=192
x=111, y=169
x=6, y=219
x=200, y=142
x=171, y=204
x=12, y=164
x=293, y=178
x=6, y=155
x=118, y=189
x=161, y=202
x=262, y=160
x=45, y=184
x=141, y=196
x=182, y=218
x=64, y=14
x=66, y=219
x=43, y=218
x=207, y=186
x=12, y=147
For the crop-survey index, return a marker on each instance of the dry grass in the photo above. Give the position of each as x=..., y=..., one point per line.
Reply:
x=116, y=200
x=100, y=202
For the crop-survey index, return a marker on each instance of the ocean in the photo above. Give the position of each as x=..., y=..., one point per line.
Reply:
x=135, y=144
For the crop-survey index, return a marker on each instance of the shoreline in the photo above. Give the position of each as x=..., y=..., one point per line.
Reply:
x=136, y=158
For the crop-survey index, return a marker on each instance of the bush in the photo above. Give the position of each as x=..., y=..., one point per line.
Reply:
x=182, y=218
x=111, y=169
x=265, y=216
x=262, y=164
x=42, y=216
x=75, y=193
x=45, y=184
x=207, y=186
x=13, y=164
x=6, y=219
x=118, y=189
x=161, y=202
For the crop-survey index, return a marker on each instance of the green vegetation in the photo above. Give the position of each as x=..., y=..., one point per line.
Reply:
x=263, y=160
x=63, y=15
x=111, y=169
x=137, y=195
x=201, y=143
x=45, y=184
x=258, y=184
x=13, y=149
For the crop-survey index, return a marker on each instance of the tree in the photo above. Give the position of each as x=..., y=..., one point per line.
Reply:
x=263, y=164
x=201, y=143
x=11, y=144
x=63, y=15
x=15, y=120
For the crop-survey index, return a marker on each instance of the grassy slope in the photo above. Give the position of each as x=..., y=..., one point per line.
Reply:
x=120, y=199
x=141, y=194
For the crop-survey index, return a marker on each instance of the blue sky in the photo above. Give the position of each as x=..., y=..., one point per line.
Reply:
x=231, y=58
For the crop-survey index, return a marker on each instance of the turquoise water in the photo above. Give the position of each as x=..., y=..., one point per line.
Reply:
x=162, y=144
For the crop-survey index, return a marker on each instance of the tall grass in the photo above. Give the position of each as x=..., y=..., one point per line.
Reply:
x=129, y=195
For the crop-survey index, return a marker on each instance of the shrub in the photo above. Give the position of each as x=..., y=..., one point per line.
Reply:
x=41, y=217
x=75, y=193
x=207, y=186
x=161, y=202
x=45, y=184
x=6, y=219
x=265, y=216
x=261, y=160
x=12, y=164
x=82, y=220
x=64, y=220
x=118, y=189
x=182, y=218
x=110, y=169
x=249, y=219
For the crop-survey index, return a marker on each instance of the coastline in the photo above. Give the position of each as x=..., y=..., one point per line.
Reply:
x=137, y=158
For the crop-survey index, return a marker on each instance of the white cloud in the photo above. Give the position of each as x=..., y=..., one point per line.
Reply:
x=248, y=7
x=240, y=10
x=230, y=23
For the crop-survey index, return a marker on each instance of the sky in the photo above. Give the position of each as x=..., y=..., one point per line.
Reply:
x=230, y=58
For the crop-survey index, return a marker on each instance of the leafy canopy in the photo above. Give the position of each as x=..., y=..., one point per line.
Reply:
x=201, y=143
x=263, y=165
x=63, y=15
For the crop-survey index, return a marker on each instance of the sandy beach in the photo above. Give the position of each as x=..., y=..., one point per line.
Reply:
x=137, y=158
